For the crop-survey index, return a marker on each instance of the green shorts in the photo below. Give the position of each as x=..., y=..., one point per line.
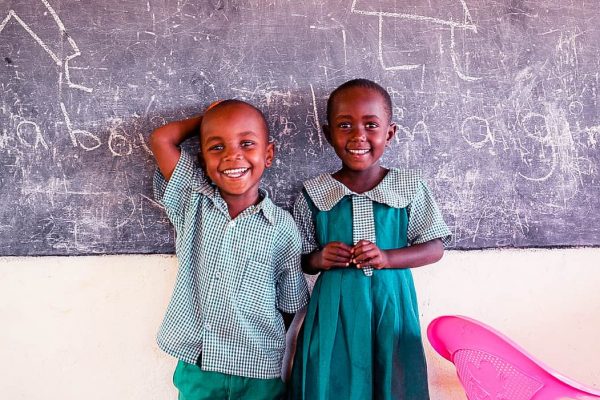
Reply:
x=195, y=384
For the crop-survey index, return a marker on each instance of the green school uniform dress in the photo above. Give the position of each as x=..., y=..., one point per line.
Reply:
x=361, y=337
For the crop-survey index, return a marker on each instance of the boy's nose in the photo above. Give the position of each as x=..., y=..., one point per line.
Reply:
x=233, y=154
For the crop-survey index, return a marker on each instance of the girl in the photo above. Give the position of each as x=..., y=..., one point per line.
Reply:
x=363, y=228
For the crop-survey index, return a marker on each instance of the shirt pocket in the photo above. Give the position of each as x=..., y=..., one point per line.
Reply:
x=256, y=303
x=256, y=294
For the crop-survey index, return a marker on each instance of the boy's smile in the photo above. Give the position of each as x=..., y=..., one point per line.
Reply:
x=359, y=128
x=235, y=152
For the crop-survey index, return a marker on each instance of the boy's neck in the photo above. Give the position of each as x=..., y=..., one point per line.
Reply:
x=360, y=181
x=237, y=204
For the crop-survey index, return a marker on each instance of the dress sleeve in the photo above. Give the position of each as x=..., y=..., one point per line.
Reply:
x=425, y=221
x=304, y=220
x=175, y=194
x=292, y=290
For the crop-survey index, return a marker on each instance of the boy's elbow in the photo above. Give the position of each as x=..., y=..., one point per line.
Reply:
x=437, y=250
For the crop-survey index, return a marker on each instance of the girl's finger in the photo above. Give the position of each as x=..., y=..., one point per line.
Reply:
x=367, y=257
x=364, y=248
x=337, y=259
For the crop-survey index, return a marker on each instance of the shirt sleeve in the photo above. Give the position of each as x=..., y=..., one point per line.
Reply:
x=425, y=221
x=304, y=221
x=175, y=194
x=292, y=290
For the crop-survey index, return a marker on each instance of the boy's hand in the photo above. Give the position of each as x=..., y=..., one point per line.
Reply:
x=334, y=255
x=367, y=253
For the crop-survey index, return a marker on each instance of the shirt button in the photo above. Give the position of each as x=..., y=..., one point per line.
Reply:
x=217, y=275
x=231, y=224
x=207, y=327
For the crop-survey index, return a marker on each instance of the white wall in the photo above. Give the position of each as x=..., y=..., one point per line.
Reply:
x=84, y=327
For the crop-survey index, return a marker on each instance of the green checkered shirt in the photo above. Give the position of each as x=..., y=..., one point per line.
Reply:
x=234, y=278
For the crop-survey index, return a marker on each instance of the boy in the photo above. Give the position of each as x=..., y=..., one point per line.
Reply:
x=238, y=254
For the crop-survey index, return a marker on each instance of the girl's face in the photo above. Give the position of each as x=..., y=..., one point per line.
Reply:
x=359, y=128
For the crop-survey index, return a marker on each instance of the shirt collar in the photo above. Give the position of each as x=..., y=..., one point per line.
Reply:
x=265, y=206
x=396, y=189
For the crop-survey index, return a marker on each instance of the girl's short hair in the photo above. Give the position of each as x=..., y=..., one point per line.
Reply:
x=361, y=83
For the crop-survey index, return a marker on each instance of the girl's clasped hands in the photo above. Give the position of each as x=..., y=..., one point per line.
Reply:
x=364, y=253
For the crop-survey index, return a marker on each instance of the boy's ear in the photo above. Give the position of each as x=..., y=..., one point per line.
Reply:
x=327, y=133
x=269, y=154
x=390, y=133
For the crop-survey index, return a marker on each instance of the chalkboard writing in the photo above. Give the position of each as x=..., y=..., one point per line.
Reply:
x=497, y=102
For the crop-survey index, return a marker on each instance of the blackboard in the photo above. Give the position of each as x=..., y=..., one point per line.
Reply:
x=497, y=103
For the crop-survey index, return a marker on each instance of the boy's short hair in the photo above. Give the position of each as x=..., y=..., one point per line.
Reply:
x=362, y=83
x=230, y=102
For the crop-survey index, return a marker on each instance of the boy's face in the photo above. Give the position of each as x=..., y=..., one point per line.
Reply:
x=359, y=128
x=235, y=150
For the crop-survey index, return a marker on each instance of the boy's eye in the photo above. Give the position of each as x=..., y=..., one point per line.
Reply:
x=216, y=147
x=371, y=125
x=344, y=125
x=247, y=143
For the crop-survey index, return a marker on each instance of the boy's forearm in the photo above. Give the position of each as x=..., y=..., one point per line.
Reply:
x=175, y=133
x=416, y=255
x=165, y=141
x=309, y=263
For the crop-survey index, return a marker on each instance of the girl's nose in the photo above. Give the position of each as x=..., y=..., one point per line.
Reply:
x=358, y=134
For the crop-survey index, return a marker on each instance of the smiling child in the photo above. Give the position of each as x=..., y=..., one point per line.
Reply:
x=239, y=277
x=363, y=228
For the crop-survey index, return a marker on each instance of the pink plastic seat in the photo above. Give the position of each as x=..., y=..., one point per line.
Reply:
x=492, y=367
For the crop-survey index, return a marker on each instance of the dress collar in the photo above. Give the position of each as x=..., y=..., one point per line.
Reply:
x=396, y=189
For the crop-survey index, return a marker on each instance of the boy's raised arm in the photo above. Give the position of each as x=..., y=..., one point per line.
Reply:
x=165, y=141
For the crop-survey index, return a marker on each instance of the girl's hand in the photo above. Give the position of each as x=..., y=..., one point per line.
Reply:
x=334, y=255
x=367, y=253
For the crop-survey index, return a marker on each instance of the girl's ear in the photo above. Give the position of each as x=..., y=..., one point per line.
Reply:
x=390, y=133
x=269, y=154
x=327, y=133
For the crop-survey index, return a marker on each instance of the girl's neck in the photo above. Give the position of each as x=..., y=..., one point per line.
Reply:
x=360, y=181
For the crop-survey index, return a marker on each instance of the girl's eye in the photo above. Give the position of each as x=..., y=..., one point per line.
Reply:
x=344, y=125
x=371, y=125
x=247, y=143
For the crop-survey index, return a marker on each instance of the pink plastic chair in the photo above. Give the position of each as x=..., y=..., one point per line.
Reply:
x=492, y=367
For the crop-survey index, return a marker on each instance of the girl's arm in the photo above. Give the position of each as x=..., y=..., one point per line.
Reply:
x=367, y=253
x=165, y=141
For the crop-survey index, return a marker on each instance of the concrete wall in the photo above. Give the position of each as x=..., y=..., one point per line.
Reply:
x=84, y=327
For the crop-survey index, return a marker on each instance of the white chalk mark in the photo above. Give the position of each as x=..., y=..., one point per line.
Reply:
x=118, y=143
x=73, y=133
x=64, y=75
x=480, y=122
x=64, y=34
x=316, y=115
x=345, y=51
x=467, y=24
x=39, y=139
x=454, y=57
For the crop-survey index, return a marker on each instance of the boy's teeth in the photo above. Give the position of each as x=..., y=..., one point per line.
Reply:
x=363, y=151
x=235, y=172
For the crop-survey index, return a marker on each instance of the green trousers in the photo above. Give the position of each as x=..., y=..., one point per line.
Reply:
x=195, y=384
